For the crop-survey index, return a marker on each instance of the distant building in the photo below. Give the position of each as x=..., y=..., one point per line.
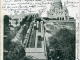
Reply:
x=16, y=19
x=35, y=15
x=58, y=12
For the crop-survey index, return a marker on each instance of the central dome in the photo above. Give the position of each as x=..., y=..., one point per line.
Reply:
x=55, y=1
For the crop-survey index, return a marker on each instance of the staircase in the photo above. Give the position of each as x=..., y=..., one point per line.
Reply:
x=38, y=52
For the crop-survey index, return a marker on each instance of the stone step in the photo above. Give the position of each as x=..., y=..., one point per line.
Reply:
x=34, y=50
x=36, y=56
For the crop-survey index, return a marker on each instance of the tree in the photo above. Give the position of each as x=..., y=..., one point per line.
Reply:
x=6, y=24
x=17, y=53
x=64, y=40
x=24, y=20
x=7, y=42
x=6, y=20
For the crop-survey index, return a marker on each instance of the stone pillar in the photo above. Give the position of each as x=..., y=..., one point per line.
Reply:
x=68, y=17
x=64, y=18
x=41, y=28
x=37, y=24
x=36, y=39
x=36, y=35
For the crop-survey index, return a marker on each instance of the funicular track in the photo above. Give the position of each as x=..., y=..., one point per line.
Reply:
x=32, y=39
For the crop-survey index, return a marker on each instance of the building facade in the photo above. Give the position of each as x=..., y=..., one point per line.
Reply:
x=57, y=11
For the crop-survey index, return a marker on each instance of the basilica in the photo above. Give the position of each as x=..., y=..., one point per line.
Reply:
x=58, y=11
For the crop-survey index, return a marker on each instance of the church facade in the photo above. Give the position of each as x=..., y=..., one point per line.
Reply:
x=57, y=11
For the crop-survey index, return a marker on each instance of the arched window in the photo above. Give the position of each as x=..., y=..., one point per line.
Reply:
x=57, y=18
x=63, y=18
x=52, y=14
x=60, y=18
